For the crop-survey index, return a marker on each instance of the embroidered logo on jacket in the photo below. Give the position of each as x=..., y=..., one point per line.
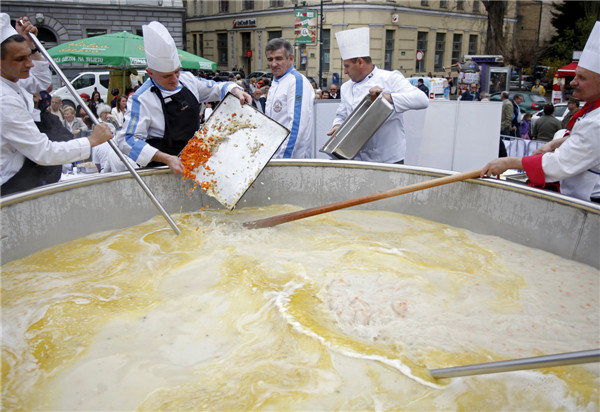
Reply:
x=277, y=106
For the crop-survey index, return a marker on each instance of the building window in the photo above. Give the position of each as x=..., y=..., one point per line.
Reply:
x=198, y=45
x=440, y=45
x=473, y=44
x=46, y=37
x=476, y=5
x=222, y=48
x=389, y=48
x=326, y=52
x=444, y=4
x=195, y=7
x=276, y=3
x=424, y=2
x=456, y=48
x=422, y=47
x=223, y=6
x=95, y=32
x=248, y=4
x=274, y=34
x=460, y=4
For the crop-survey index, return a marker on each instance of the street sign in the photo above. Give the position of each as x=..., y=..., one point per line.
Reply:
x=420, y=55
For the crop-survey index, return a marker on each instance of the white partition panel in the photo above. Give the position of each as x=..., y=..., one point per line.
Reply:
x=324, y=114
x=460, y=136
x=448, y=135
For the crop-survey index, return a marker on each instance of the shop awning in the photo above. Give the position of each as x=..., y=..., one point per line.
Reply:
x=568, y=70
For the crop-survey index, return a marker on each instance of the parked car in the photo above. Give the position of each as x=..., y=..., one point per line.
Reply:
x=223, y=75
x=531, y=102
x=259, y=75
x=207, y=74
x=560, y=110
x=526, y=82
x=84, y=82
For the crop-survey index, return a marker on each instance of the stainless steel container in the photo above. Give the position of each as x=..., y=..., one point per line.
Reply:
x=60, y=212
x=359, y=127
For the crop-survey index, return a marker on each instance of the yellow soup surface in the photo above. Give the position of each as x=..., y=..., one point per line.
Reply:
x=344, y=311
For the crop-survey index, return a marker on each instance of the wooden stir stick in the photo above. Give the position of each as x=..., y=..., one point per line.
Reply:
x=301, y=214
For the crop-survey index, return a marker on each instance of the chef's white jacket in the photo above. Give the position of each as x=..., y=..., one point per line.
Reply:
x=388, y=144
x=290, y=102
x=576, y=163
x=20, y=137
x=144, y=118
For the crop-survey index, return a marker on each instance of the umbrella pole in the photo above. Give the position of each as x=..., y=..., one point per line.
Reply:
x=110, y=142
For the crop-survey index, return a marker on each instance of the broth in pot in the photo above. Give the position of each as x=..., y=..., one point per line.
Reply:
x=344, y=311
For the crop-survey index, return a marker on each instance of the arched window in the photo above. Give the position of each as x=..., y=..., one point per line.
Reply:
x=47, y=37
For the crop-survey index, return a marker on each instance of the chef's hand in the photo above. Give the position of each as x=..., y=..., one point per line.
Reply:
x=100, y=134
x=376, y=90
x=175, y=165
x=333, y=129
x=24, y=27
x=498, y=166
x=242, y=95
x=173, y=162
x=550, y=146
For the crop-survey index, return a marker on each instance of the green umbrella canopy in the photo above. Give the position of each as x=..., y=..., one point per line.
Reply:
x=118, y=49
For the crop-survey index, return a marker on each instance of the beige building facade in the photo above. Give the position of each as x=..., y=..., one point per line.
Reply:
x=234, y=33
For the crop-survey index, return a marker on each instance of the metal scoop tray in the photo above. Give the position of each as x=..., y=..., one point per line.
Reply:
x=247, y=139
x=359, y=127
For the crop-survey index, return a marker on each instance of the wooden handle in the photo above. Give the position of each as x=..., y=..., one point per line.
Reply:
x=301, y=214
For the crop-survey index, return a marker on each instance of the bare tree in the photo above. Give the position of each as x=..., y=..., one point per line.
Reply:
x=523, y=53
x=495, y=42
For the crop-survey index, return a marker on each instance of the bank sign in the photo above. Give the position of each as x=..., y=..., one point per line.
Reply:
x=305, y=27
x=241, y=23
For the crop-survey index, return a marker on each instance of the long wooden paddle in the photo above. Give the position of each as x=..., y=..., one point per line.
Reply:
x=301, y=214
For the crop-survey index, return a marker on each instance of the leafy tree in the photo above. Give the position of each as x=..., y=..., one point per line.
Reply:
x=573, y=21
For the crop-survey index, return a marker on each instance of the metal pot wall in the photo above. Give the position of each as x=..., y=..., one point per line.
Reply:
x=61, y=212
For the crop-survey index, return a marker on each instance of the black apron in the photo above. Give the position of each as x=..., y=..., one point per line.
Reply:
x=182, y=120
x=31, y=174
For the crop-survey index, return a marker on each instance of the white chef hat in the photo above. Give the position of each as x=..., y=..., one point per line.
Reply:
x=161, y=53
x=353, y=43
x=7, y=29
x=590, y=58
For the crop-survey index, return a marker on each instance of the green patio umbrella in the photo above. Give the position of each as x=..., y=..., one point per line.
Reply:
x=124, y=50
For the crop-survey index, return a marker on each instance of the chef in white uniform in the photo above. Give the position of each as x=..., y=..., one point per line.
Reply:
x=22, y=145
x=574, y=159
x=290, y=101
x=388, y=144
x=164, y=113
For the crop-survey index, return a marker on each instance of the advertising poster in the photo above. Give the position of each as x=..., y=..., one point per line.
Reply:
x=305, y=27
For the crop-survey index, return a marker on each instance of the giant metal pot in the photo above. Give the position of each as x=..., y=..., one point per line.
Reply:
x=57, y=213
